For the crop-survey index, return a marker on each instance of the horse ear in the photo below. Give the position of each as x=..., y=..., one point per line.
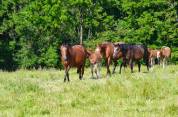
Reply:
x=115, y=44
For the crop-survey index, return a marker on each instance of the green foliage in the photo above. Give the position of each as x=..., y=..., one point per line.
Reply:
x=31, y=31
x=51, y=57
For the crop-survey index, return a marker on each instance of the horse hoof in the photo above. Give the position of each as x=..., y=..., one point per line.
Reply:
x=80, y=78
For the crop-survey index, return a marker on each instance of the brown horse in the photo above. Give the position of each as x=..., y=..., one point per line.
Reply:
x=154, y=54
x=131, y=53
x=165, y=55
x=116, y=57
x=106, y=49
x=95, y=61
x=73, y=56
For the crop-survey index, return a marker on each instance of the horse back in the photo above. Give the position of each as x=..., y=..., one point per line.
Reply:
x=78, y=55
x=136, y=52
x=95, y=58
x=109, y=50
x=165, y=51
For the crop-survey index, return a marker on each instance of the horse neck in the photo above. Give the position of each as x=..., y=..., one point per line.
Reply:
x=103, y=49
x=98, y=52
x=70, y=51
x=124, y=49
x=98, y=55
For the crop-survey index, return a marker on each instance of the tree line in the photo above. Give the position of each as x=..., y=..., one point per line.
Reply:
x=32, y=30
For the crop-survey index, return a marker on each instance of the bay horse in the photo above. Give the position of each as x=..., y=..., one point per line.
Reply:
x=95, y=62
x=154, y=54
x=131, y=53
x=116, y=57
x=73, y=56
x=165, y=55
x=106, y=49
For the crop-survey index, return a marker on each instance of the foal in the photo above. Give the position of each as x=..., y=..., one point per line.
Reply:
x=95, y=61
x=154, y=54
x=165, y=55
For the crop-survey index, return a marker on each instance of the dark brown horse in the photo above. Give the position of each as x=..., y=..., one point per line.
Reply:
x=73, y=56
x=165, y=55
x=106, y=49
x=95, y=62
x=131, y=53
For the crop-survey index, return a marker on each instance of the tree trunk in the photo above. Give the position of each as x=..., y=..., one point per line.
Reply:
x=81, y=34
x=81, y=27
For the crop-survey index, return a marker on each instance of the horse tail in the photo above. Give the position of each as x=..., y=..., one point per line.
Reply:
x=146, y=55
x=170, y=53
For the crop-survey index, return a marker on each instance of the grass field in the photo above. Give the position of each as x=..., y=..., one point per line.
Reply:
x=43, y=93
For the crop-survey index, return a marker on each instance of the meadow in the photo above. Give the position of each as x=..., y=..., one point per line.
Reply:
x=43, y=93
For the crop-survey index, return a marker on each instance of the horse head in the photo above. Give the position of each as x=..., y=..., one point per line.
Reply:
x=117, y=50
x=64, y=51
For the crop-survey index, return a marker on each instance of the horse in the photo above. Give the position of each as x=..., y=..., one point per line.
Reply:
x=116, y=57
x=106, y=49
x=95, y=62
x=73, y=56
x=154, y=54
x=131, y=53
x=165, y=55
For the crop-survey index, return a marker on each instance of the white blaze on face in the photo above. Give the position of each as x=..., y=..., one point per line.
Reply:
x=115, y=49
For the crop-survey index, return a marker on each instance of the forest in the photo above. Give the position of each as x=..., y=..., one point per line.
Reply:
x=31, y=31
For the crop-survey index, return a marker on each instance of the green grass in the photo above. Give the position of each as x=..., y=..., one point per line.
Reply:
x=43, y=93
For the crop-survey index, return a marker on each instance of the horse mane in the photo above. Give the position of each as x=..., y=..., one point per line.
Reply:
x=88, y=52
x=104, y=45
x=163, y=47
x=124, y=48
x=66, y=45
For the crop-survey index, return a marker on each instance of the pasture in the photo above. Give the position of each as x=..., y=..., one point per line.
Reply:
x=43, y=93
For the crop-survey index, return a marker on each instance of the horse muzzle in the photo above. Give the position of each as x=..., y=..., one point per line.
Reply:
x=65, y=58
x=114, y=55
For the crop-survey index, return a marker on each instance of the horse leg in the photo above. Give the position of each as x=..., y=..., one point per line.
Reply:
x=139, y=66
x=92, y=70
x=148, y=63
x=163, y=62
x=166, y=61
x=68, y=77
x=131, y=66
x=120, y=67
x=151, y=62
x=98, y=70
x=108, y=64
x=158, y=61
x=115, y=64
x=83, y=67
x=66, y=73
x=154, y=61
x=80, y=72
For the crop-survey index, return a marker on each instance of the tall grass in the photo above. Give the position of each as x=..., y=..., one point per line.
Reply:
x=43, y=93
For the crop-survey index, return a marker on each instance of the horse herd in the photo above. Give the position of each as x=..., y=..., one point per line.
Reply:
x=76, y=55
